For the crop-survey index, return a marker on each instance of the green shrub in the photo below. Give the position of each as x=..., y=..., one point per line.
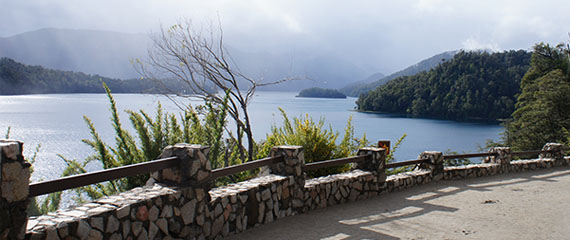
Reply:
x=152, y=135
x=319, y=142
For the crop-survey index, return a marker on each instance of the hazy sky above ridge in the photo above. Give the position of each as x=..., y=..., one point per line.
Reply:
x=383, y=36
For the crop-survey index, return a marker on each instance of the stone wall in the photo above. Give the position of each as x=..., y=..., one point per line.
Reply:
x=14, y=186
x=162, y=212
x=180, y=203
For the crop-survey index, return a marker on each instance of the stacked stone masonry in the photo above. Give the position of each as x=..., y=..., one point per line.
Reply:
x=161, y=212
x=14, y=187
x=165, y=210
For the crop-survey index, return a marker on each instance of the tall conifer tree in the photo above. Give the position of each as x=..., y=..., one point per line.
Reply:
x=542, y=111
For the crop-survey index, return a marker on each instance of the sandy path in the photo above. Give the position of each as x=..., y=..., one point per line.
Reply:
x=530, y=205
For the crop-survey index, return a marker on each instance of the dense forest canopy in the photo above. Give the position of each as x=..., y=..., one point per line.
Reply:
x=18, y=78
x=472, y=85
x=316, y=92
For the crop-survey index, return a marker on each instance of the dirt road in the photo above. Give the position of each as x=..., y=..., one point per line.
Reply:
x=530, y=205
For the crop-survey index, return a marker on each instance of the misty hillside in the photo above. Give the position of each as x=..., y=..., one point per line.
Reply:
x=94, y=52
x=360, y=87
x=370, y=79
x=17, y=78
x=108, y=54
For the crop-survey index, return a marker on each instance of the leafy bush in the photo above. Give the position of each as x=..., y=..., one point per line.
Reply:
x=152, y=136
x=319, y=143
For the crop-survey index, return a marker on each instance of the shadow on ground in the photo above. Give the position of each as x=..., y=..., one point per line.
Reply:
x=446, y=209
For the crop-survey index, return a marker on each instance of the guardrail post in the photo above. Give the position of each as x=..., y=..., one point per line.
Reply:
x=502, y=156
x=376, y=163
x=293, y=166
x=434, y=163
x=194, y=166
x=192, y=175
x=14, y=189
x=555, y=151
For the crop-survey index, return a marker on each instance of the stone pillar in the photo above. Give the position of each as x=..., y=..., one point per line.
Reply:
x=293, y=166
x=556, y=151
x=376, y=163
x=502, y=156
x=14, y=190
x=194, y=169
x=434, y=164
x=192, y=176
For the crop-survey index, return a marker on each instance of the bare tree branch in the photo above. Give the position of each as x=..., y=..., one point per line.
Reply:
x=201, y=62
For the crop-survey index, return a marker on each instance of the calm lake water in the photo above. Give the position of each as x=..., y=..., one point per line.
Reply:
x=55, y=121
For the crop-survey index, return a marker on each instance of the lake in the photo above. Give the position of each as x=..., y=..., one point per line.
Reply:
x=56, y=122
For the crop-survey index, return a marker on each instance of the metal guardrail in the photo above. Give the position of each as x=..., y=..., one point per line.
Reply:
x=85, y=179
x=404, y=163
x=468, y=155
x=221, y=172
x=525, y=153
x=335, y=162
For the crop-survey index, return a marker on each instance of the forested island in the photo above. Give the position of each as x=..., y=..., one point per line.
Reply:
x=472, y=85
x=17, y=78
x=316, y=92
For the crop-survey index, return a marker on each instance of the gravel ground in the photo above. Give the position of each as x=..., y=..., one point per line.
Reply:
x=530, y=205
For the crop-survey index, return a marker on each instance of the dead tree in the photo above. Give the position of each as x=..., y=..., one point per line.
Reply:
x=199, y=59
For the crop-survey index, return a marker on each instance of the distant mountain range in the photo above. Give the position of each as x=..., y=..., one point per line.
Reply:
x=109, y=53
x=375, y=80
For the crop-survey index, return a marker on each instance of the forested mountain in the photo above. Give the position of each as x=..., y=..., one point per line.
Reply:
x=355, y=89
x=472, y=85
x=18, y=78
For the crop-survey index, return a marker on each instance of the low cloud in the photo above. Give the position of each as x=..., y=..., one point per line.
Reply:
x=377, y=35
x=475, y=43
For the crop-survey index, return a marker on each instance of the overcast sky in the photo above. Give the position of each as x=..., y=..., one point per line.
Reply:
x=383, y=36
